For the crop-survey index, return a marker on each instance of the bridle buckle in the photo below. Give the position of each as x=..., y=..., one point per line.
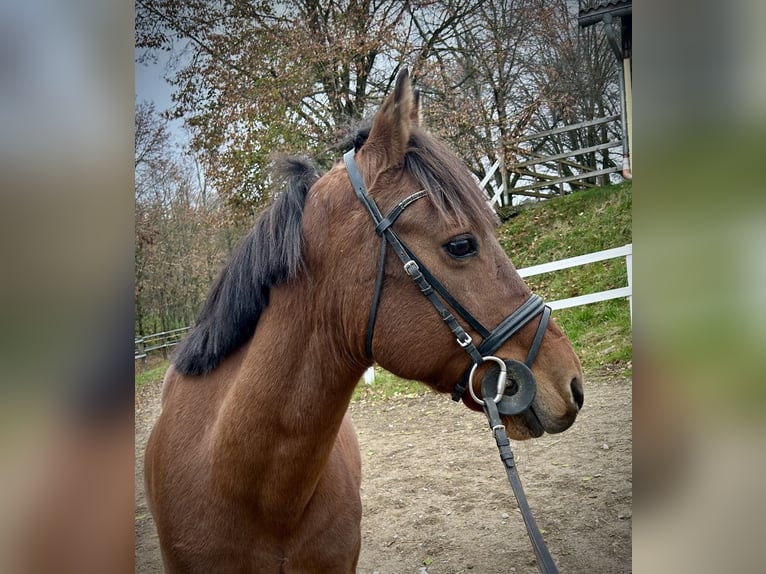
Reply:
x=411, y=268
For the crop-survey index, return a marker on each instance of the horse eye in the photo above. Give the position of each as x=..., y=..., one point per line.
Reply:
x=462, y=247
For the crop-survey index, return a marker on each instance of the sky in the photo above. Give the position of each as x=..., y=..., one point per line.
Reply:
x=151, y=86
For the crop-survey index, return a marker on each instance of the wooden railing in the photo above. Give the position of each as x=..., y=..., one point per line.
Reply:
x=544, y=176
x=147, y=344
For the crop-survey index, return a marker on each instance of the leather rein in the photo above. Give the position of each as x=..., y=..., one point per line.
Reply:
x=498, y=397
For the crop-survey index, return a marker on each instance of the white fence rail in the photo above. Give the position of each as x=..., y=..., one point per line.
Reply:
x=624, y=251
x=544, y=176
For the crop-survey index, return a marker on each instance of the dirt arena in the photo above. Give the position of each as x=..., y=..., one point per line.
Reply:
x=436, y=499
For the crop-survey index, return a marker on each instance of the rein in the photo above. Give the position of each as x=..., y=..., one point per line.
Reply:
x=499, y=399
x=544, y=559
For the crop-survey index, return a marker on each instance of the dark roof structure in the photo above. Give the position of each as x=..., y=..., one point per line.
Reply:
x=593, y=11
x=618, y=12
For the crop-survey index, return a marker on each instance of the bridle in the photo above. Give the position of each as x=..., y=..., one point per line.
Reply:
x=433, y=290
x=499, y=399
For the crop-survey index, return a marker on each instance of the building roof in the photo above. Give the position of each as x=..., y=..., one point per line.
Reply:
x=593, y=11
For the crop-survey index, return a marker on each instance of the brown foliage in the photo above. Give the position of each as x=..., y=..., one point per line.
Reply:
x=252, y=79
x=180, y=236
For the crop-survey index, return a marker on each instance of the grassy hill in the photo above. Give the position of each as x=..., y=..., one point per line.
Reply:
x=541, y=232
x=577, y=224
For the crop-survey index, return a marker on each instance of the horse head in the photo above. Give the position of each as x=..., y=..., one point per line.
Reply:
x=427, y=200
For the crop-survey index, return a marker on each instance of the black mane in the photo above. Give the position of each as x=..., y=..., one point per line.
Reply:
x=269, y=255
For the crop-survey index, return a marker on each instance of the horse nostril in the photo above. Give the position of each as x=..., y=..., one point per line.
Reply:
x=577, y=393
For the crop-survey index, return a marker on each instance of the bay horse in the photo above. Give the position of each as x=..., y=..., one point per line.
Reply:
x=253, y=464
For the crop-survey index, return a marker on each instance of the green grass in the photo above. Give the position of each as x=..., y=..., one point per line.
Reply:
x=387, y=386
x=577, y=224
x=150, y=375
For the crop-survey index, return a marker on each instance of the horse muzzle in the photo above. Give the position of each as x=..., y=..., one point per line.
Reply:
x=511, y=385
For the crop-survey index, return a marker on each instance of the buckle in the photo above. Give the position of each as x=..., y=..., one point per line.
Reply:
x=411, y=268
x=464, y=342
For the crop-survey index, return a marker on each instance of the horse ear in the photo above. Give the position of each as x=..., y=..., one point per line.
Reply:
x=390, y=130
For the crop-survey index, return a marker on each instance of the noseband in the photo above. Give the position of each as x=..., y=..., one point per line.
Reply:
x=433, y=290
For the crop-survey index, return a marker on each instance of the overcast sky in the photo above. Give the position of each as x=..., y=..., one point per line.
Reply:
x=150, y=86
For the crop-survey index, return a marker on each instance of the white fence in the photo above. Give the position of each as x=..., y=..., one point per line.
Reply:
x=544, y=174
x=157, y=342
x=624, y=251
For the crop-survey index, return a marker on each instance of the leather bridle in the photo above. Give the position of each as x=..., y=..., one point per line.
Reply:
x=524, y=389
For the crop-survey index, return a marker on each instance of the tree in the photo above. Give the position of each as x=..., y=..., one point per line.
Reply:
x=180, y=236
x=579, y=67
x=485, y=89
x=150, y=141
x=255, y=78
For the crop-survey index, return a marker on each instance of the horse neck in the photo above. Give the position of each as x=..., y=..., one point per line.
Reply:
x=281, y=415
